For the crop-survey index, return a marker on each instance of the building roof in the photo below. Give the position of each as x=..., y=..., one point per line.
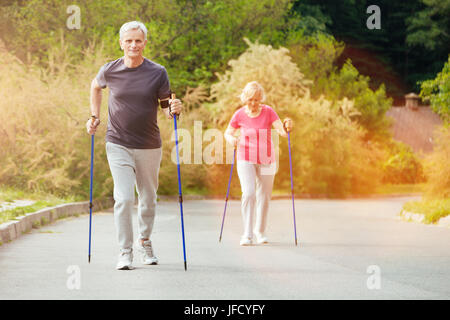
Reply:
x=415, y=127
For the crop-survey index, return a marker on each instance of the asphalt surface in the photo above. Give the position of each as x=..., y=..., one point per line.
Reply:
x=348, y=249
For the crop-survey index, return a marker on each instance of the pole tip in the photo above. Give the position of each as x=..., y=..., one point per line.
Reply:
x=89, y=259
x=185, y=266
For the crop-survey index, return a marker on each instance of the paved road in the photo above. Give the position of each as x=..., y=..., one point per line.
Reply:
x=339, y=241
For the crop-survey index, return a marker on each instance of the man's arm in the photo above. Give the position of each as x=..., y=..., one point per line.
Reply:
x=96, y=101
x=96, y=98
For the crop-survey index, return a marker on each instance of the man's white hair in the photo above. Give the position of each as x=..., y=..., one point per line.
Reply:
x=131, y=26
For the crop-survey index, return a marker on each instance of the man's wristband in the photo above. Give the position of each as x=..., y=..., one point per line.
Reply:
x=164, y=104
x=93, y=117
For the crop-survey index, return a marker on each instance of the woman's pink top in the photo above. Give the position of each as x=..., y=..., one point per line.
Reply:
x=255, y=143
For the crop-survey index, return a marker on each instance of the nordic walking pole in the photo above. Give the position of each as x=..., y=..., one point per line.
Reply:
x=228, y=191
x=180, y=196
x=90, y=195
x=292, y=186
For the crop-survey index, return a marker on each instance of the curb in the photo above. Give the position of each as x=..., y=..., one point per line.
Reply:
x=444, y=222
x=420, y=217
x=414, y=217
x=13, y=229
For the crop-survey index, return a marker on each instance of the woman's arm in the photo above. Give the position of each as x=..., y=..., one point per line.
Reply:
x=278, y=125
x=281, y=127
x=229, y=136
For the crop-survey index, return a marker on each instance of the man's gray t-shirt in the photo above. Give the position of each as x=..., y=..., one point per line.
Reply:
x=133, y=102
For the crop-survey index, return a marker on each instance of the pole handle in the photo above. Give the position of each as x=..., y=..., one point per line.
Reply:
x=173, y=96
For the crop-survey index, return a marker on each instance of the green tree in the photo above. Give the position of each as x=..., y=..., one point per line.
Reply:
x=430, y=27
x=437, y=91
x=316, y=57
x=332, y=157
x=192, y=38
x=413, y=38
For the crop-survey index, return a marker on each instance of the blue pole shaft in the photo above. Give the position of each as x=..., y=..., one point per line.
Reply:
x=228, y=191
x=179, y=191
x=292, y=187
x=90, y=196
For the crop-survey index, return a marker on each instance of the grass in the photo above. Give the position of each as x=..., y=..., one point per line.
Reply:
x=384, y=189
x=400, y=188
x=9, y=195
x=12, y=214
x=42, y=201
x=432, y=209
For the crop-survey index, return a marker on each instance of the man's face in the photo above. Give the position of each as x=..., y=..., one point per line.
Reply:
x=133, y=43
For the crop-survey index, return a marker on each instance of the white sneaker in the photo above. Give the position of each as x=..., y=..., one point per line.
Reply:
x=260, y=238
x=125, y=260
x=245, y=241
x=146, y=250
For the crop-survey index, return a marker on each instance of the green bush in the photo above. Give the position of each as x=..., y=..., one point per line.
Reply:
x=402, y=165
x=432, y=209
x=316, y=58
x=437, y=91
x=330, y=156
x=437, y=168
x=45, y=147
x=192, y=39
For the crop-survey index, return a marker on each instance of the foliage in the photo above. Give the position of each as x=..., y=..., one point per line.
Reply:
x=43, y=113
x=316, y=57
x=413, y=37
x=310, y=18
x=11, y=214
x=347, y=165
x=433, y=210
x=272, y=68
x=193, y=175
x=430, y=27
x=45, y=147
x=437, y=91
x=435, y=203
x=437, y=169
x=406, y=189
x=402, y=165
x=193, y=39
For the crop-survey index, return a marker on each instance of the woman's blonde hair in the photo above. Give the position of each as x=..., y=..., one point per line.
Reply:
x=252, y=89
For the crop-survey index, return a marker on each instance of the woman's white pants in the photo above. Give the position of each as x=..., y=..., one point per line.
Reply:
x=256, y=184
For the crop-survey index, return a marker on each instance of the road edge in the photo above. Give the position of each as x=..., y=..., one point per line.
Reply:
x=14, y=229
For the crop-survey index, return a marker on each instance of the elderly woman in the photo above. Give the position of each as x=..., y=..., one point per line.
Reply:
x=255, y=157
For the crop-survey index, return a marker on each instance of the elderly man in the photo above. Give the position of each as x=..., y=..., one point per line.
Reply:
x=133, y=142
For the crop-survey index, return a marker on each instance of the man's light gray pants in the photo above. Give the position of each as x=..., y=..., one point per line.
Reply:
x=130, y=168
x=256, y=184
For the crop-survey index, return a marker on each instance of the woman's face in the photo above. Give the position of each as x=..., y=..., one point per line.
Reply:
x=254, y=102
